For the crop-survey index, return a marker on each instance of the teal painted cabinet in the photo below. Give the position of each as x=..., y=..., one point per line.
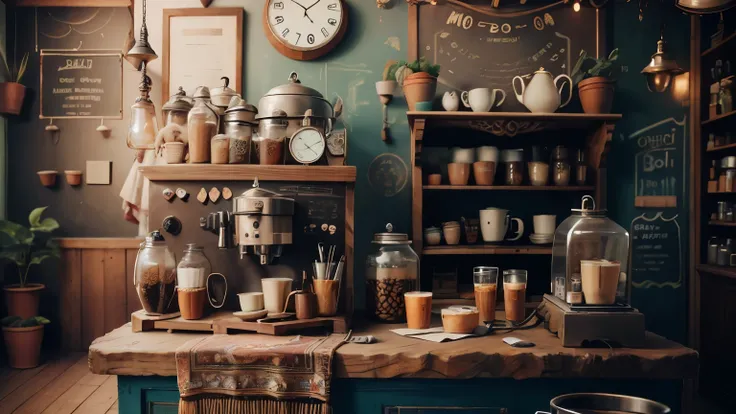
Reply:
x=159, y=395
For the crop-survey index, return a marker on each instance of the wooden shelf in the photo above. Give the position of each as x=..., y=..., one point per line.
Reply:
x=510, y=123
x=726, y=40
x=247, y=172
x=509, y=187
x=719, y=117
x=722, y=223
x=721, y=148
x=717, y=270
x=721, y=192
x=485, y=249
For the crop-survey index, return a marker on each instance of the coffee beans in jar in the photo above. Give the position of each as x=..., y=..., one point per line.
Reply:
x=156, y=289
x=385, y=294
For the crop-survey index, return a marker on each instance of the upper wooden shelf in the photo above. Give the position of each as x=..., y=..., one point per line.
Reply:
x=719, y=117
x=721, y=148
x=510, y=123
x=725, y=271
x=486, y=249
x=726, y=40
x=248, y=172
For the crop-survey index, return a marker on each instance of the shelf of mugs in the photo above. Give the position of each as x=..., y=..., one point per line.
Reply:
x=719, y=117
x=511, y=187
x=248, y=172
x=726, y=271
x=722, y=223
x=509, y=123
x=485, y=249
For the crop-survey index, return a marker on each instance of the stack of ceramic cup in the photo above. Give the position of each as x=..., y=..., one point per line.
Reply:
x=484, y=169
x=544, y=229
x=458, y=170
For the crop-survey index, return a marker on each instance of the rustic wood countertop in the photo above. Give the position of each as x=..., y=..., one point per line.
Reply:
x=122, y=352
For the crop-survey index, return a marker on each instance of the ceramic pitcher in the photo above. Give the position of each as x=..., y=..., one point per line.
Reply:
x=495, y=223
x=482, y=99
x=542, y=94
x=450, y=101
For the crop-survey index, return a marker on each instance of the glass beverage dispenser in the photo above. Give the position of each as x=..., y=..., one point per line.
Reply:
x=585, y=243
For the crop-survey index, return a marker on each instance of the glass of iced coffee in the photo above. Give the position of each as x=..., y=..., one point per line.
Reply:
x=514, y=294
x=485, y=286
x=418, y=309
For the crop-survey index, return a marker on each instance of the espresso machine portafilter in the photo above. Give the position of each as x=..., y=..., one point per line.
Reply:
x=220, y=223
x=263, y=222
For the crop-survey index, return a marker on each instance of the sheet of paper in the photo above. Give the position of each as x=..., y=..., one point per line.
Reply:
x=432, y=334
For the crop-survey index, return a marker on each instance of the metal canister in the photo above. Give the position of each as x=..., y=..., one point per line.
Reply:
x=722, y=209
x=712, y=251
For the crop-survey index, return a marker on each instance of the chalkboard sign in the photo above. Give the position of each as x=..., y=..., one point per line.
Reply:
x=656, y=252
x=481, y=47
x=81, y=85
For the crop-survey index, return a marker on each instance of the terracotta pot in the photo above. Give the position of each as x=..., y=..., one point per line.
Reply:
x=23, y=301
x=434, y=179
x=419, y=87
x=596, y=95
x=484, y=171
x=11, y=97
x=459, y=173
x=24, y=346
x=48, y=178
x=73, y=177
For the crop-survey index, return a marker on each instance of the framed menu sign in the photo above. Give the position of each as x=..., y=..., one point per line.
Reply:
x=77, y=84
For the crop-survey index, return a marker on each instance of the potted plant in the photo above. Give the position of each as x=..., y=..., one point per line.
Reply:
x=12, y=92
x=418, y=79
x=595, y=86
x=27, y=247
x=386, y=87
x=23, y=339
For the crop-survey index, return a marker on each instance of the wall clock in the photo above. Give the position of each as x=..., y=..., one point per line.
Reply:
x=305, y=29
x=307, y=145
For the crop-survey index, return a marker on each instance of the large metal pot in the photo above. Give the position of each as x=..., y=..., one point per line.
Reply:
x=596, y=403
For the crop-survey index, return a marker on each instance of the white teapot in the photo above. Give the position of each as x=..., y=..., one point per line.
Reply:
x=542, y=93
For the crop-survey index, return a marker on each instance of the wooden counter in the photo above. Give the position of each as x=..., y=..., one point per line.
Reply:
x=122, y=352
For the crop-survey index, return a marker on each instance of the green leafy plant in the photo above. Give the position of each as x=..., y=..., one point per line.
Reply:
x=28, y=246
x=405, y=69
x=389, y=71
x=18, y=322
x=16, y=74
x=593, y=67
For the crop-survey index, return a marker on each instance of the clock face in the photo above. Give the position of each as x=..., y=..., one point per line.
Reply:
x=307, y=145
x=305, y=24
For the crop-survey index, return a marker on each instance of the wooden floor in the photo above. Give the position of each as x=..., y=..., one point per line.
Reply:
x=61, y=385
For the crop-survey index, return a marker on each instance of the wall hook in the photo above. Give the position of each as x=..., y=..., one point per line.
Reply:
x=53, y=130
x=103, y=129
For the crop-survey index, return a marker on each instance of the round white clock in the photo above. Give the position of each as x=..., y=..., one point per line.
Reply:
x=304, y=29
x=307, y=145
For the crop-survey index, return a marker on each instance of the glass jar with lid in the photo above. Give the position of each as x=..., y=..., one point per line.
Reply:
x=193, y=268
x=590, y=245
x=177, y=109
x=391, y=270
x=155, y=276
x=270, y=139
x=560, y=166
x=202, y=125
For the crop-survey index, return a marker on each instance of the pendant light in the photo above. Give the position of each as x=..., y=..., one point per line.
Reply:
x=661, y=69
x=142, y=51
x=143, y=124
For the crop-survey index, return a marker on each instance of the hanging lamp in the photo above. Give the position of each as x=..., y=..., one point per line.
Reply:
x=661, y=69
x=143, y=124
x=142, y=51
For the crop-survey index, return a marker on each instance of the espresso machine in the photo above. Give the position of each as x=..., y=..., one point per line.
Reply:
x=591, y=291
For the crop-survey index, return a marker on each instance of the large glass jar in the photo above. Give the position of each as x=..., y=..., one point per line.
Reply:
x=202, y=125
x=560, y=166
x=193, y=268
x=177, y=109
x=155, y=276
x=391, y=271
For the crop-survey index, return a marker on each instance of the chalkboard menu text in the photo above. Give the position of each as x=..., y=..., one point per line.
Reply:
x=81, y=85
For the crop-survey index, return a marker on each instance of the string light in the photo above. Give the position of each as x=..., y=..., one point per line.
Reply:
x=576, y=6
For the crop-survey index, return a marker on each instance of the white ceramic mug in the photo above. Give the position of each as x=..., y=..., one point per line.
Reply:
x=482, y=99
x=251, y=301
x=174, y=152
x=487, y=154
x=495, y=223
x=545, y=224
x=463, y=155
x=275, y=292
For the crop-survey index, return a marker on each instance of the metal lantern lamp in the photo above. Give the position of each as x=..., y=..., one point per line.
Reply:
x=142, y=51
x=143, y=123
x=661, y=70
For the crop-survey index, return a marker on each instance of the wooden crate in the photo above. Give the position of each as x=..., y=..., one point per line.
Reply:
x=225, y=323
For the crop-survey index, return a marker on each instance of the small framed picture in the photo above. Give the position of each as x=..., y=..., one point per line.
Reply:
x=200, y=47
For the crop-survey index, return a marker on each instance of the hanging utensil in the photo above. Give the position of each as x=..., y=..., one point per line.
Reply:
x=103, y=129
x=53, y=130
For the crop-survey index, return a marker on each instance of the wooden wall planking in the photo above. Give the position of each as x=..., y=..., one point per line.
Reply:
x=96, y=292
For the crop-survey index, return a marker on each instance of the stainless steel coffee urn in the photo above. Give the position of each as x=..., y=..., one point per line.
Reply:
x=263, y=221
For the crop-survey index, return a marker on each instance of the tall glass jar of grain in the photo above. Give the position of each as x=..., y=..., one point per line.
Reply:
x=155, y=276
x=391, y=270
x=202, y=125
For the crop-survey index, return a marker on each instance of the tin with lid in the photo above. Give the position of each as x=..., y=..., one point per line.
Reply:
x=392, y=269
x=177, y=108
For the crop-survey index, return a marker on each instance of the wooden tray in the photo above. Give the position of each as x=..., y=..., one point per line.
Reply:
x=225, y=322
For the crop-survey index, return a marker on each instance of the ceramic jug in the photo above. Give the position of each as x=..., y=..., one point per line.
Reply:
x=542, y=94
x=450, y=101
x=482, y=99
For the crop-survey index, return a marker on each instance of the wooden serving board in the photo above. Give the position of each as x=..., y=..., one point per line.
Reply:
x=225, y=322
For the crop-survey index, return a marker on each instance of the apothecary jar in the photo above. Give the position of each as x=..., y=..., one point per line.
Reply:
x=392, y=269
x=155, y=276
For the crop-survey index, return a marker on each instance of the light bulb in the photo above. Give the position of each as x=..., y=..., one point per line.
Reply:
x=576, y=6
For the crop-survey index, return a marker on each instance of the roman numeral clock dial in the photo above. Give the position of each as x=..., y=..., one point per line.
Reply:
x=304, y=29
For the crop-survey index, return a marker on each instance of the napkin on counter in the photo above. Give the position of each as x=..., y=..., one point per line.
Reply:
x=431, y=334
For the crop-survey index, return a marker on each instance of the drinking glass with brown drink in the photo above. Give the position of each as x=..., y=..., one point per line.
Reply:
x=514, y=294
x=485, y=286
